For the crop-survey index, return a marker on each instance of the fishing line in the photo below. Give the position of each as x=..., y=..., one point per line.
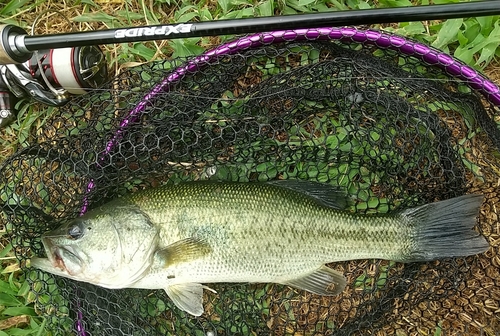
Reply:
x=46, y=81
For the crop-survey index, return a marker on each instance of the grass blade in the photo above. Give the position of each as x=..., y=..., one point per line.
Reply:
x=13, y=6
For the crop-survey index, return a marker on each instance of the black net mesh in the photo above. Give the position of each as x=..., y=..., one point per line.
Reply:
x=389, y=129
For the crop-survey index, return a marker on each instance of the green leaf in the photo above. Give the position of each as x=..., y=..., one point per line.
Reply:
x=448, y=33
x=364, y=5
x=88, y=2
x=185, y=47
x=486, y=23
x=9, y=300
x=462, y=39
x=443, y=2
x=261, y=167
x=225, y=5
x=242, y=2
x=187, y=17
x=129, y=15
x=6, y=250
x=179, y=13
x=12, y=7
x=141, y=50
x=414, y=28
x=305, y=2
x=24, y=290
x=439, y=330
x=94, y=17
x=16, y=311
x=238, y=14
x=295, y=4
x=20, y=332
x=266, y=8
x=490, y=46
x=396, y=3
x=289, y=11
x=471, y=30
x=5, y=288
x=206, y=15
x=185, y=9
x=467, y=52
x=149, y=15
x=339, y=5
x=487, y=54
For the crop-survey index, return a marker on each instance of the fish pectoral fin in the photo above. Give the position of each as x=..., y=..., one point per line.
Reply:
x=324, y=281
x=184, y=250
x=188, y=297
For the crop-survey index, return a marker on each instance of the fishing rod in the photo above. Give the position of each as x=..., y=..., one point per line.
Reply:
x=76, y=64
x=17, y=46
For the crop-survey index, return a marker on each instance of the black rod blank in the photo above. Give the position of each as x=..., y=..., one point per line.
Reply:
x=261, y=24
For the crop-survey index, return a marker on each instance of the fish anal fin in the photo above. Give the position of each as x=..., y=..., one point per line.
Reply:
x=324, y=281
x=184, y=250
x=188, y=297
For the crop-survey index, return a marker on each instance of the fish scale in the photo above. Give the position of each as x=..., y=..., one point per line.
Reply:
x=178, y=237
x=265, y=222
x=287, y=216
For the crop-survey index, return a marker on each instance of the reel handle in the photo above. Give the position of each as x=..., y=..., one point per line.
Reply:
x=7, y=104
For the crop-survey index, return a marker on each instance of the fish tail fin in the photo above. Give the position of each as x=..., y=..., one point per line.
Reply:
x=444, y=229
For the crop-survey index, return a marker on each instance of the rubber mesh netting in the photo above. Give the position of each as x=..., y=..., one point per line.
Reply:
x=392, y=122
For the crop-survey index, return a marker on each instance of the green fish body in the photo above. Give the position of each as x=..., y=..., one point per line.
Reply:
x=179, y=237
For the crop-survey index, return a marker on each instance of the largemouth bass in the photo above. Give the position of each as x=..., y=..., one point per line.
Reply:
x=180, y=237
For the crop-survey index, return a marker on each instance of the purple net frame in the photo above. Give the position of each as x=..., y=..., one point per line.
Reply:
x=428, y=55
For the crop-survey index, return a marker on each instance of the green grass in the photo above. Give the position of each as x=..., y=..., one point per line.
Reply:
x=473, y=40
x=17, y=313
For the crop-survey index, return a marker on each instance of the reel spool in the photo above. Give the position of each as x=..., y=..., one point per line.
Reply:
x=75, y=70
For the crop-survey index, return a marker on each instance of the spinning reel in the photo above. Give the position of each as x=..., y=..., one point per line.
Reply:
x=50, y=76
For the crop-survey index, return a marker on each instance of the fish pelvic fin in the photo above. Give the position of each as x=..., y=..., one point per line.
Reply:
x=323, y=281
x=184, y=250
x=444, y=229
x=188, y=297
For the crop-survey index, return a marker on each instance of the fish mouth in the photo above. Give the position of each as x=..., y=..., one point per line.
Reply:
x=56, y=255
x=57, y=260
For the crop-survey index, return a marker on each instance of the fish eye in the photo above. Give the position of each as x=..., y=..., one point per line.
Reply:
x=75, y=231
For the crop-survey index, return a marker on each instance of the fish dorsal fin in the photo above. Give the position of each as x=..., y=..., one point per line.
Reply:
x=188, y=297
x=324, y=281
x=324, y=194
x=184, y=250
